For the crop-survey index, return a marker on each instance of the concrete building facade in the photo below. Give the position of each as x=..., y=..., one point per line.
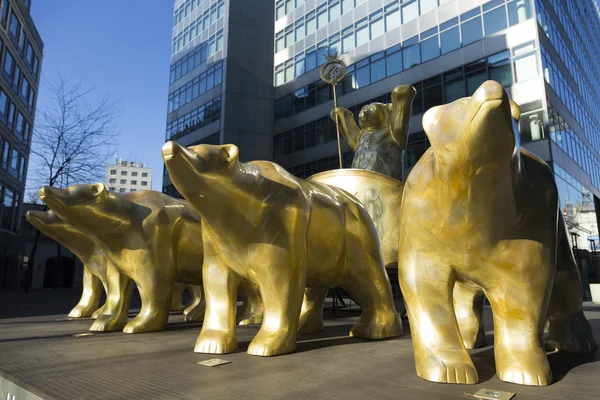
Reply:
x=541, y=51
x=21, y=51
x=128, y=176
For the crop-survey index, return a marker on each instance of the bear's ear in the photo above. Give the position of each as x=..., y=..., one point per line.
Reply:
x=98, y=189
x=230, y=152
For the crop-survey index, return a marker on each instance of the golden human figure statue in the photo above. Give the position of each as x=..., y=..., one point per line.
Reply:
x=148, y=237
x=284, y=234
x=479, y=210
x=381, y=134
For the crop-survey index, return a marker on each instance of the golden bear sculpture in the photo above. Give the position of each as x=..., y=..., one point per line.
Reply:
x=148, y=238
x=480, y=211
x=284, y=234
x=90, y=254
x=94, y=267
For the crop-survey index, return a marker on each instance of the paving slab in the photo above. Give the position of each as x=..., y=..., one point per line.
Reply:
x=42, y=355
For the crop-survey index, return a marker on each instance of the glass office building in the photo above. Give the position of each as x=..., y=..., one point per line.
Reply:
x=541, y=51
x=222, y=66
x=20, y=62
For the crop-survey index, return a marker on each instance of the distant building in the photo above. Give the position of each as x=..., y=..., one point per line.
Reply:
x=21, y=51
x=128, y=176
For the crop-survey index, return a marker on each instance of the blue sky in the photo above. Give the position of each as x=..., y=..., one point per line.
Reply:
x=122, y=49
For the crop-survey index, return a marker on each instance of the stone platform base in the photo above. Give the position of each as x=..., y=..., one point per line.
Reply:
x=41, y=358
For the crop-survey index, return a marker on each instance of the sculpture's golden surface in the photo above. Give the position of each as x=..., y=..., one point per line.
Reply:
x=478, y=210
x=94, y=267
x=380, y=195
x=149, y=238
x=381, y=134
x=90, y=254
x=283, y=234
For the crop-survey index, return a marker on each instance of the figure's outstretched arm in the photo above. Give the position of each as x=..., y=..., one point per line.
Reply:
x=348, y=126
x=402, y=98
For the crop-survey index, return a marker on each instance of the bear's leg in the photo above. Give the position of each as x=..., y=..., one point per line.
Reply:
x=114, y=315
x=519, y=302
x=92, y=291
x=568, y=328
x=311, y=315
x=427, y=286
x=156, y=295
x=194, y=311
x=368, y=282
x=281, y=283
x=177, y=297
x=468, y=305
x=104, y=281
x=218, y=335
x=251, y=312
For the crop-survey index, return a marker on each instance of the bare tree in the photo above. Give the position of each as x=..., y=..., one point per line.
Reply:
x=71, y=143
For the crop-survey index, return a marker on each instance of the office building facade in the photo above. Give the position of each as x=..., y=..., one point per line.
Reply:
x=539, y=50
x=221, y=79
x=20, y=62
x=128, y=176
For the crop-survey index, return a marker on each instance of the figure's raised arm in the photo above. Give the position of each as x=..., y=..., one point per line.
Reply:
x=348, y=126
x=402, y=98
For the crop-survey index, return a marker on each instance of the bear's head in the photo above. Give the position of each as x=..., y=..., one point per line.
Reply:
x=76, y=204
x=374, y=116
x=474, y=131
x=42, y=219
x=192, y=168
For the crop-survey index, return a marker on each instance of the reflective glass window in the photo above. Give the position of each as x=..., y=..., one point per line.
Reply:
x=430, y=49
x=471, y=31
x=519, y=11
x=410, y=11
x=412, y=56
x=494, y=21
x=450, y=40
x=394, y=63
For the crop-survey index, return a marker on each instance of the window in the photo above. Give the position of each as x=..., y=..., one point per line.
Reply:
x=144, y=174
x=394, y=62
x=454, y=89
x=14, y=26
x=134, y=173
x=11, y=116
x=500, y=68
x=14, y=162
x=112, y=180
x=123, y=173
x=144, y=183
x=3, y=104
x=361, y=32
x=8, y=209
x=134, y=182
x=22, y=42
x=334, y=11
x=377, y=25
x=412, y=56
x=495, y=20
x=133, y=190
x=25, y=88
x=19, y=126
x=471, y=31
x=450, y=40
x=4, y=12
x=8, y=64
x=518, y=11
x=16, y=77
x=5, y=155
x=122, y=190
x=113, y=171
x=377, y=67
x=23, y=170
x=123, y=181
x=430, y=49
x=410, y=11
x=428, y=5
x=36, y=64
x=392, y=17
x=525, y=64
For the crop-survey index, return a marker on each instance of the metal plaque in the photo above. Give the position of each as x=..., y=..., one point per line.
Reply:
x=489, y=394
x=213, y=362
